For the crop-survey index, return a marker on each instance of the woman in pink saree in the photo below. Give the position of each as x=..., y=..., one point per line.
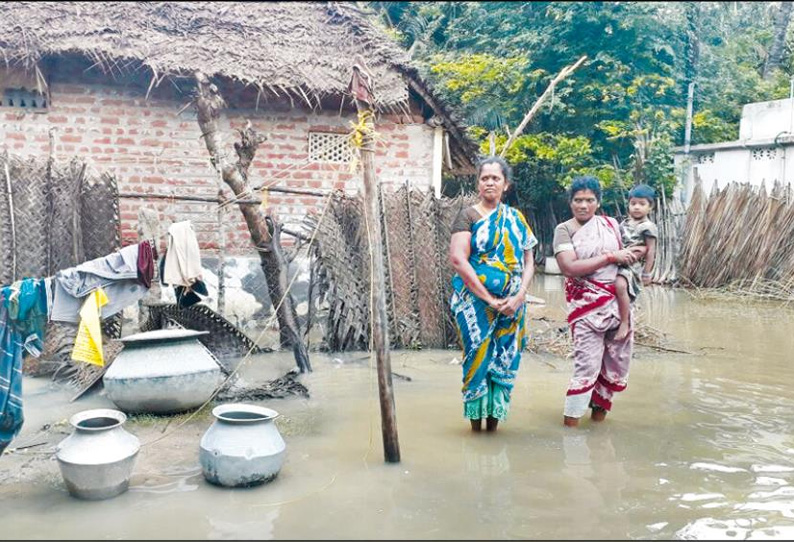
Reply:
x=588, y=249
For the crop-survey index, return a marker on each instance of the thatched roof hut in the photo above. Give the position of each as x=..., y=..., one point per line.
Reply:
x=301, y=50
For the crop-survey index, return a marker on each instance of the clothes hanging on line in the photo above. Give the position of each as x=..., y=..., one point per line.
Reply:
x=88, y=344
x=147, y=254
x=23, y=319
x=180, y=266
x=27, y=305
x=116, y=273
x=183, y=260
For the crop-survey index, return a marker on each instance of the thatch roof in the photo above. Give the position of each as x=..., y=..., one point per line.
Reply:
x=302, y=49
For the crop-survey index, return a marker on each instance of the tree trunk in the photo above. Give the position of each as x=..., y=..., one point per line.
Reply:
x=775, y=57
x=264, y=235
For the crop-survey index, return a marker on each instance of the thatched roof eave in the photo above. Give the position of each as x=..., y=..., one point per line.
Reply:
x=303, y=50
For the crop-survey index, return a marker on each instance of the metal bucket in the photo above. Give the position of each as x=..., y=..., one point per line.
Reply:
x=96, y=460
x=242, y=447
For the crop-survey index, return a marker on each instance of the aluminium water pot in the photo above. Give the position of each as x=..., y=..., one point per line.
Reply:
x=162, y=371
x=96, y=460
x=242, y=447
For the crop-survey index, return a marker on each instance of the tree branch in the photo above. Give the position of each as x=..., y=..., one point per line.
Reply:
x=568, y=70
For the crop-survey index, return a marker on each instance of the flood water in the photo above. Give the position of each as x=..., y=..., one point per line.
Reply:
x=699, y=446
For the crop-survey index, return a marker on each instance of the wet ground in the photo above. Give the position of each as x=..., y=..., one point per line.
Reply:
x=699, y=446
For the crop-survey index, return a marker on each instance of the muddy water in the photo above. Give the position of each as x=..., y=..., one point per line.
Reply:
x=699, y=446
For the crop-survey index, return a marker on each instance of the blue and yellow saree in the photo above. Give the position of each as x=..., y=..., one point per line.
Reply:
x=492, y=342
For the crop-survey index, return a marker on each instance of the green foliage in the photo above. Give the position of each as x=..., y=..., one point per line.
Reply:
x=490, y=85
x=622, y=113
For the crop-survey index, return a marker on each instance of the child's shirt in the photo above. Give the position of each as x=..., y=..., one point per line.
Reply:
x=634, y=233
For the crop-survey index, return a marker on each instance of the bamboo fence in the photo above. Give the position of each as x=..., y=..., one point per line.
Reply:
x=739, y=240
x=52, y=217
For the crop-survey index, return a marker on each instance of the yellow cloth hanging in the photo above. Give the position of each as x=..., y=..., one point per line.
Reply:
x=88, y=344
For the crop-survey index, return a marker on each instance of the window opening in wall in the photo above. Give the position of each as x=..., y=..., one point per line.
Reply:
x=706, y=158
x=765, y=153
x=330, y=147
x=24, y=99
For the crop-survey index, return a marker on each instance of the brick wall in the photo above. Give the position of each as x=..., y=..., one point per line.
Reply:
x=153, y=149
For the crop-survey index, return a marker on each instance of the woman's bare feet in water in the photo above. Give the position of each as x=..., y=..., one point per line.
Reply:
x=491, y=424
x=567, y=421
x=598, y=415
x=476, y=425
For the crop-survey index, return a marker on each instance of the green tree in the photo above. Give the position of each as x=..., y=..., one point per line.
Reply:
x=621, y=114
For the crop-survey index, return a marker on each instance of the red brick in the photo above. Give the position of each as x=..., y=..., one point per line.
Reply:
x=109, y=120
x=71, y=139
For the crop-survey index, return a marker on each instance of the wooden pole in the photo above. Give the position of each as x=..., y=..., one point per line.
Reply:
x=360, y=85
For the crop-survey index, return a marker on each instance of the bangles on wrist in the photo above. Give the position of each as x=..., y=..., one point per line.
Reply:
x=611, y=258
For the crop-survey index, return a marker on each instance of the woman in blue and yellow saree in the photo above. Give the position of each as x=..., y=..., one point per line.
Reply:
x=491, y=252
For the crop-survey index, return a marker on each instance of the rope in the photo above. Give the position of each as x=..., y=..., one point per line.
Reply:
x=309, y=494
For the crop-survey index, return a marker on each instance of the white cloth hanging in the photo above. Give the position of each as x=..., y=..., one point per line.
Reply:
x=183, y=260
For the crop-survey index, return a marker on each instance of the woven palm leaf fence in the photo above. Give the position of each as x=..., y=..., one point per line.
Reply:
x=52, y=217
x=416, y=228
x=738, y=241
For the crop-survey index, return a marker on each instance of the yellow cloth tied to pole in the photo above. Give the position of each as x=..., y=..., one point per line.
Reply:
x=88, y=344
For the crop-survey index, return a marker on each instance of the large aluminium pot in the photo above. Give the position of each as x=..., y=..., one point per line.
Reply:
x=96, y=460
x=242, y=447
x=162, y=372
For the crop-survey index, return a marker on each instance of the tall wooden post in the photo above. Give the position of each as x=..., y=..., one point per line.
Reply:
x=360, y=86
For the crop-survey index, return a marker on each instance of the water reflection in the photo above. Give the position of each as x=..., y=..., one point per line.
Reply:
x=698, y=446
x=233, y=529
x=483, y=461
x=173, y=479
x=597, y=478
